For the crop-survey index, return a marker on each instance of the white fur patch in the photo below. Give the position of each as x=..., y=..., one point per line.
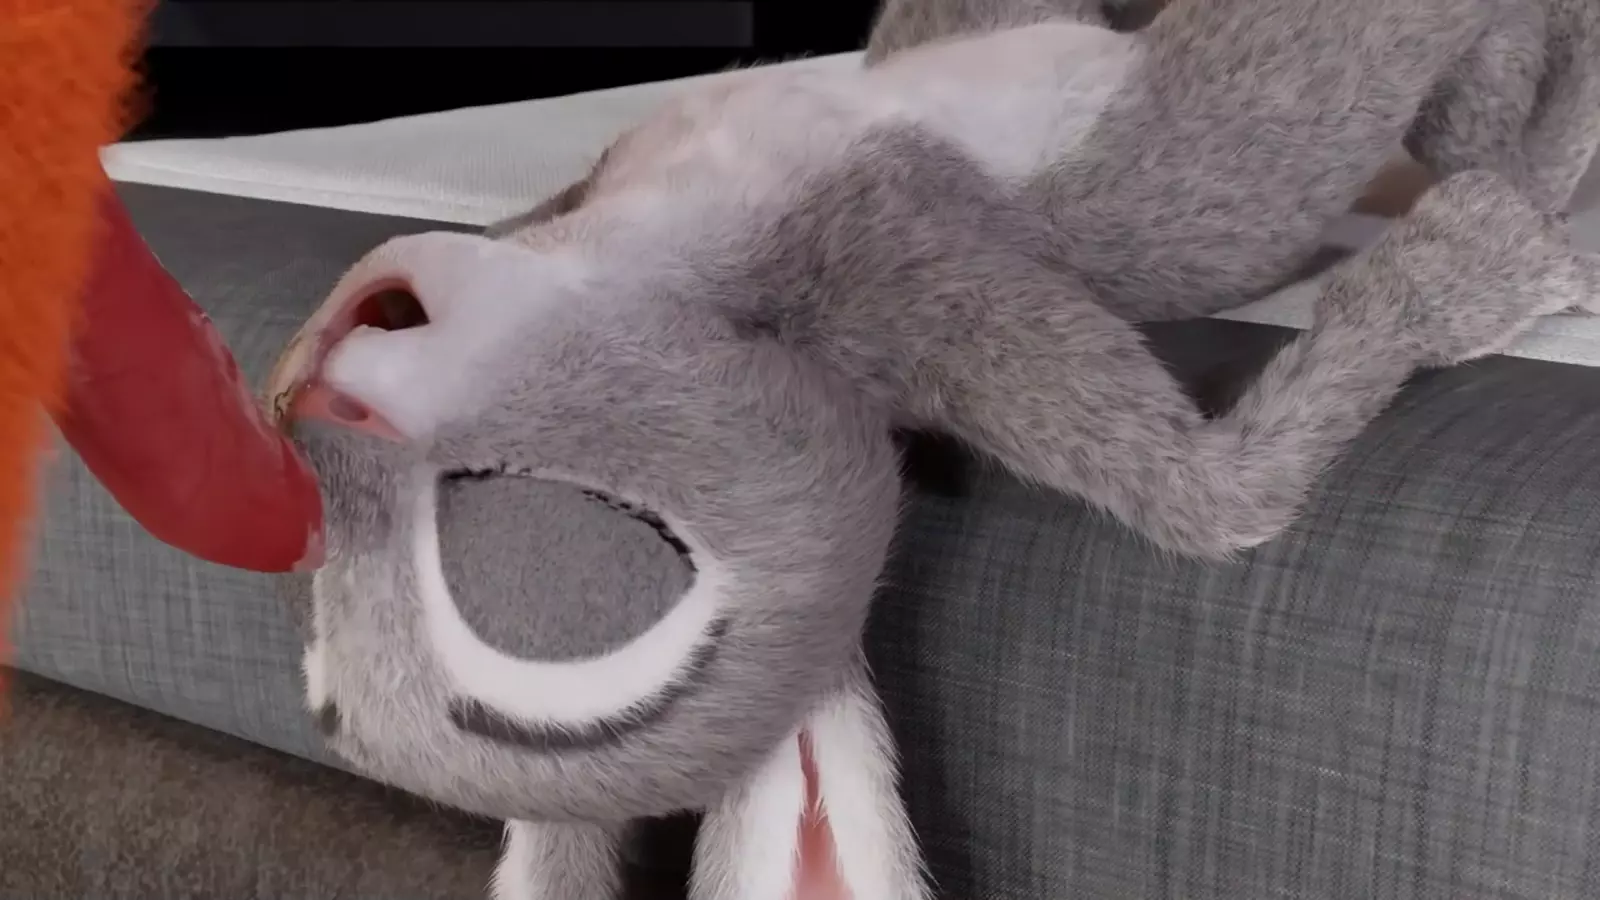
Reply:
x=314, y=664
x=314, y=668
x=749, y=844
x=1019, y=99
x=747, y=848
x=514, y=874
x=856, y=770
x=570, y=694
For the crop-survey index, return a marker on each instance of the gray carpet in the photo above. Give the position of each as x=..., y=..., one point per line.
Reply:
x=106, y=800
x=101, y=799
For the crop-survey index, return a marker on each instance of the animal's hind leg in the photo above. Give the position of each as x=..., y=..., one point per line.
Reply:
x=1210, y=178
x=1523, y=101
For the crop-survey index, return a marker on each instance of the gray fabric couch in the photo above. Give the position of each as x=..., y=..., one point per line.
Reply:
x=1399, y=699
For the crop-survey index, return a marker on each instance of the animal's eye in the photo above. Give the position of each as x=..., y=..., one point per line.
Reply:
x=631, y=510
x=646, y=516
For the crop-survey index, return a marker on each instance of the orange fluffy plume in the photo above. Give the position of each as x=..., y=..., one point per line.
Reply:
x=65, y=73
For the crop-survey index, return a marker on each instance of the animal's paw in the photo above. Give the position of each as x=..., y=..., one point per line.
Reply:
x=1463, y=275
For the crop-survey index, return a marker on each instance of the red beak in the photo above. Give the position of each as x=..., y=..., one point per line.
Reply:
x=160, y=414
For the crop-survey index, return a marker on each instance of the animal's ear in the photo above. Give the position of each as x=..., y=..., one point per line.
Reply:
x=821, y=820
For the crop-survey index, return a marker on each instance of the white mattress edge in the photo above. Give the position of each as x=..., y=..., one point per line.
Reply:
x=134, y=171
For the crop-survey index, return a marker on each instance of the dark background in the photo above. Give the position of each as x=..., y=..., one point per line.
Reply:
x=218, y=67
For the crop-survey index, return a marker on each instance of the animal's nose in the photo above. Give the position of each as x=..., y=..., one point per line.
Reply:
x=298, y=386
x=407, y=338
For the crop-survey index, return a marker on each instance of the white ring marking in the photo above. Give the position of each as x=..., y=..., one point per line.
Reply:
x=571, y=694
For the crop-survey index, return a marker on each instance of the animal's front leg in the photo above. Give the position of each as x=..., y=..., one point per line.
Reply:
x=548, y=861
x=1094, y=414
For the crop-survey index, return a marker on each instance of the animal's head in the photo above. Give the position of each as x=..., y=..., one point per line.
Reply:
x=590, y=553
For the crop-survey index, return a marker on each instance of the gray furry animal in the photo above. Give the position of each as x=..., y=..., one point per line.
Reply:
x=607, y=497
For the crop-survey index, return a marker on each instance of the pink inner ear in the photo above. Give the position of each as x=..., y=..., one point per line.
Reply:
x=817, y=876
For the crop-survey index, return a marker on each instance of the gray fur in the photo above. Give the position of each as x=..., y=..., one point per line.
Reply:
x=665, y=391
x=1523, y=100
x=1237, y=114
x=1253, y=122
x=1069, y=397
x=747, y=387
